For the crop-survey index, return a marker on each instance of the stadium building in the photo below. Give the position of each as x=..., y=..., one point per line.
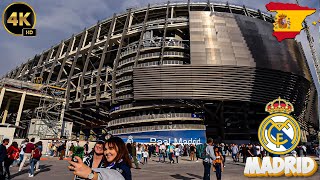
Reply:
x=177, y=72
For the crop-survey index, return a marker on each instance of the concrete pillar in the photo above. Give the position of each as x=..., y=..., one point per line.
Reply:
x=3, y=90
x=5, y=114
x=91, y=84
x=172, y=11
x=23, y=97
x=61, y=119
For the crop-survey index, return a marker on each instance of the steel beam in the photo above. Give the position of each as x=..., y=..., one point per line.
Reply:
x=47, y=59
x=72, y=40
x=74, y=62
x=5, y=113
x=116, y=61
x=164, y=34
x=87, y=61
x=24, y=69
x=19, y=70
x=229, y=8
x=105, y=49
x=23, y=97
x=245, y=11
x=36, y=68
x=141, y=36
x=54, y=62
x=3, y=91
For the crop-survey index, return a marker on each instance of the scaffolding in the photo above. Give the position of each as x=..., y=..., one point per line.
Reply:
x=50, y=113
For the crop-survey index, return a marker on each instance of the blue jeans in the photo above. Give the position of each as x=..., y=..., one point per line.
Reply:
x=33, y=162
x=207, y=169
x=170, y=157
x=139, y=157
x=218, y=171
x=20, y=158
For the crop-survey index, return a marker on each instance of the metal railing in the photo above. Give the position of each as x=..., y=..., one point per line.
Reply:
x=150, y=117
x=158, y=128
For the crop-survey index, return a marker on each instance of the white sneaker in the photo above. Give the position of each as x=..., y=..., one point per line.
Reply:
x=30, y=175
x=197, y=161
x=37, y=170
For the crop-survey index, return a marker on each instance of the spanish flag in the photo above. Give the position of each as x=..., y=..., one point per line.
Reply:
x=289, y=18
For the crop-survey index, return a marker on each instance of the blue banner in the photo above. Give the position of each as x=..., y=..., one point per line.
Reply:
x=166, y=137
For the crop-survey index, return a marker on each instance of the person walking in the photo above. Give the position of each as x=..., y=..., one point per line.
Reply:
x=3, y=157
x=27, y=152
x=162, y=152
x=22, y=148
x=171, y=151
x=62, y=150
x=192, y=152
x=177, y=153
x=71, y=150
x=34, y=158
x=13, y=154
x=218, y=163
x=39, y=145
x=244, y=153
x=150, y=150
x=223, y=152
x=145, y=156
x=208, y=159
x=234, y=150
x=134, y=155
x=139, y=153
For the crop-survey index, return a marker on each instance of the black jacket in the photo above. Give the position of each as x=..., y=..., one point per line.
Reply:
x=3, y=153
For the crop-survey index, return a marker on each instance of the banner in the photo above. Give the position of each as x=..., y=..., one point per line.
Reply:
x=166, y=137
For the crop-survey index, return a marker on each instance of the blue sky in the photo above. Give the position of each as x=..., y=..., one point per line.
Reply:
x=59, y=19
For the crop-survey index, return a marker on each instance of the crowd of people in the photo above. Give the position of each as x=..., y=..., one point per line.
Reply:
x=113, y=158
x=19, y=155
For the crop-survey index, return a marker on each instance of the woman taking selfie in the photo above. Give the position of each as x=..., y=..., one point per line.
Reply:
x=118, y=163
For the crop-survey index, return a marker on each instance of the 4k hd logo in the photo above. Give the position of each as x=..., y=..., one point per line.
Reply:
x=19, y=19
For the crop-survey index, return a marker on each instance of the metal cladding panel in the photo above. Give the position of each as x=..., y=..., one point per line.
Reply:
x=218, y=83
x=232, y=39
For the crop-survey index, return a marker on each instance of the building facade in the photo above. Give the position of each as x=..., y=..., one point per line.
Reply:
x=177, y=72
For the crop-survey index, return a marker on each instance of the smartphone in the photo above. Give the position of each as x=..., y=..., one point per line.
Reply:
x=78, y=151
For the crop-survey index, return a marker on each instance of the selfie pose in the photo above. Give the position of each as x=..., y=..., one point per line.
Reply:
x=118, y=165
x=96, y=158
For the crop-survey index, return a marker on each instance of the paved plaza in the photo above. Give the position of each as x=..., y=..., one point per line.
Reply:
x=53, y=169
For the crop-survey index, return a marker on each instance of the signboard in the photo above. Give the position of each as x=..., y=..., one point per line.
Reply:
x=166, y=137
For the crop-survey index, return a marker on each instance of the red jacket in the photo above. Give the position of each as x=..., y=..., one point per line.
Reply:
x=13, y=153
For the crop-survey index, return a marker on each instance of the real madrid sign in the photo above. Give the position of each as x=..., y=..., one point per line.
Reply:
x=279, y=133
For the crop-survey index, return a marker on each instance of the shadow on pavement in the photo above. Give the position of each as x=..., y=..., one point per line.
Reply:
x=43, y=168
x=179, y=176
x=197, y=176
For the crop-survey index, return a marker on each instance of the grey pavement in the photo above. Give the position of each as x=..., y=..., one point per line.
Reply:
x=54, y=169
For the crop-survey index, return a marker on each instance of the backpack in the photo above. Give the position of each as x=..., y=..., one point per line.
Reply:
x=36, y=154
x=201, y=151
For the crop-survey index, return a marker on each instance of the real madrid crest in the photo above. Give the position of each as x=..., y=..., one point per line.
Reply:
x=279, y=133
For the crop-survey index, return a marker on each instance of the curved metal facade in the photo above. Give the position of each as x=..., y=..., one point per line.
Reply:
x=178, y=66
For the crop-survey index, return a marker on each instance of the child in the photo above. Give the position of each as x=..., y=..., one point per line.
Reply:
x=145, y=156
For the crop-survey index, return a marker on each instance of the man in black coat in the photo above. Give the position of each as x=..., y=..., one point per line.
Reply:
x=3, y=156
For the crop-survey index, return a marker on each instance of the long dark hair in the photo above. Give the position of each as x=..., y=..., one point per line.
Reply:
x=122, y=151
x=14, y=144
